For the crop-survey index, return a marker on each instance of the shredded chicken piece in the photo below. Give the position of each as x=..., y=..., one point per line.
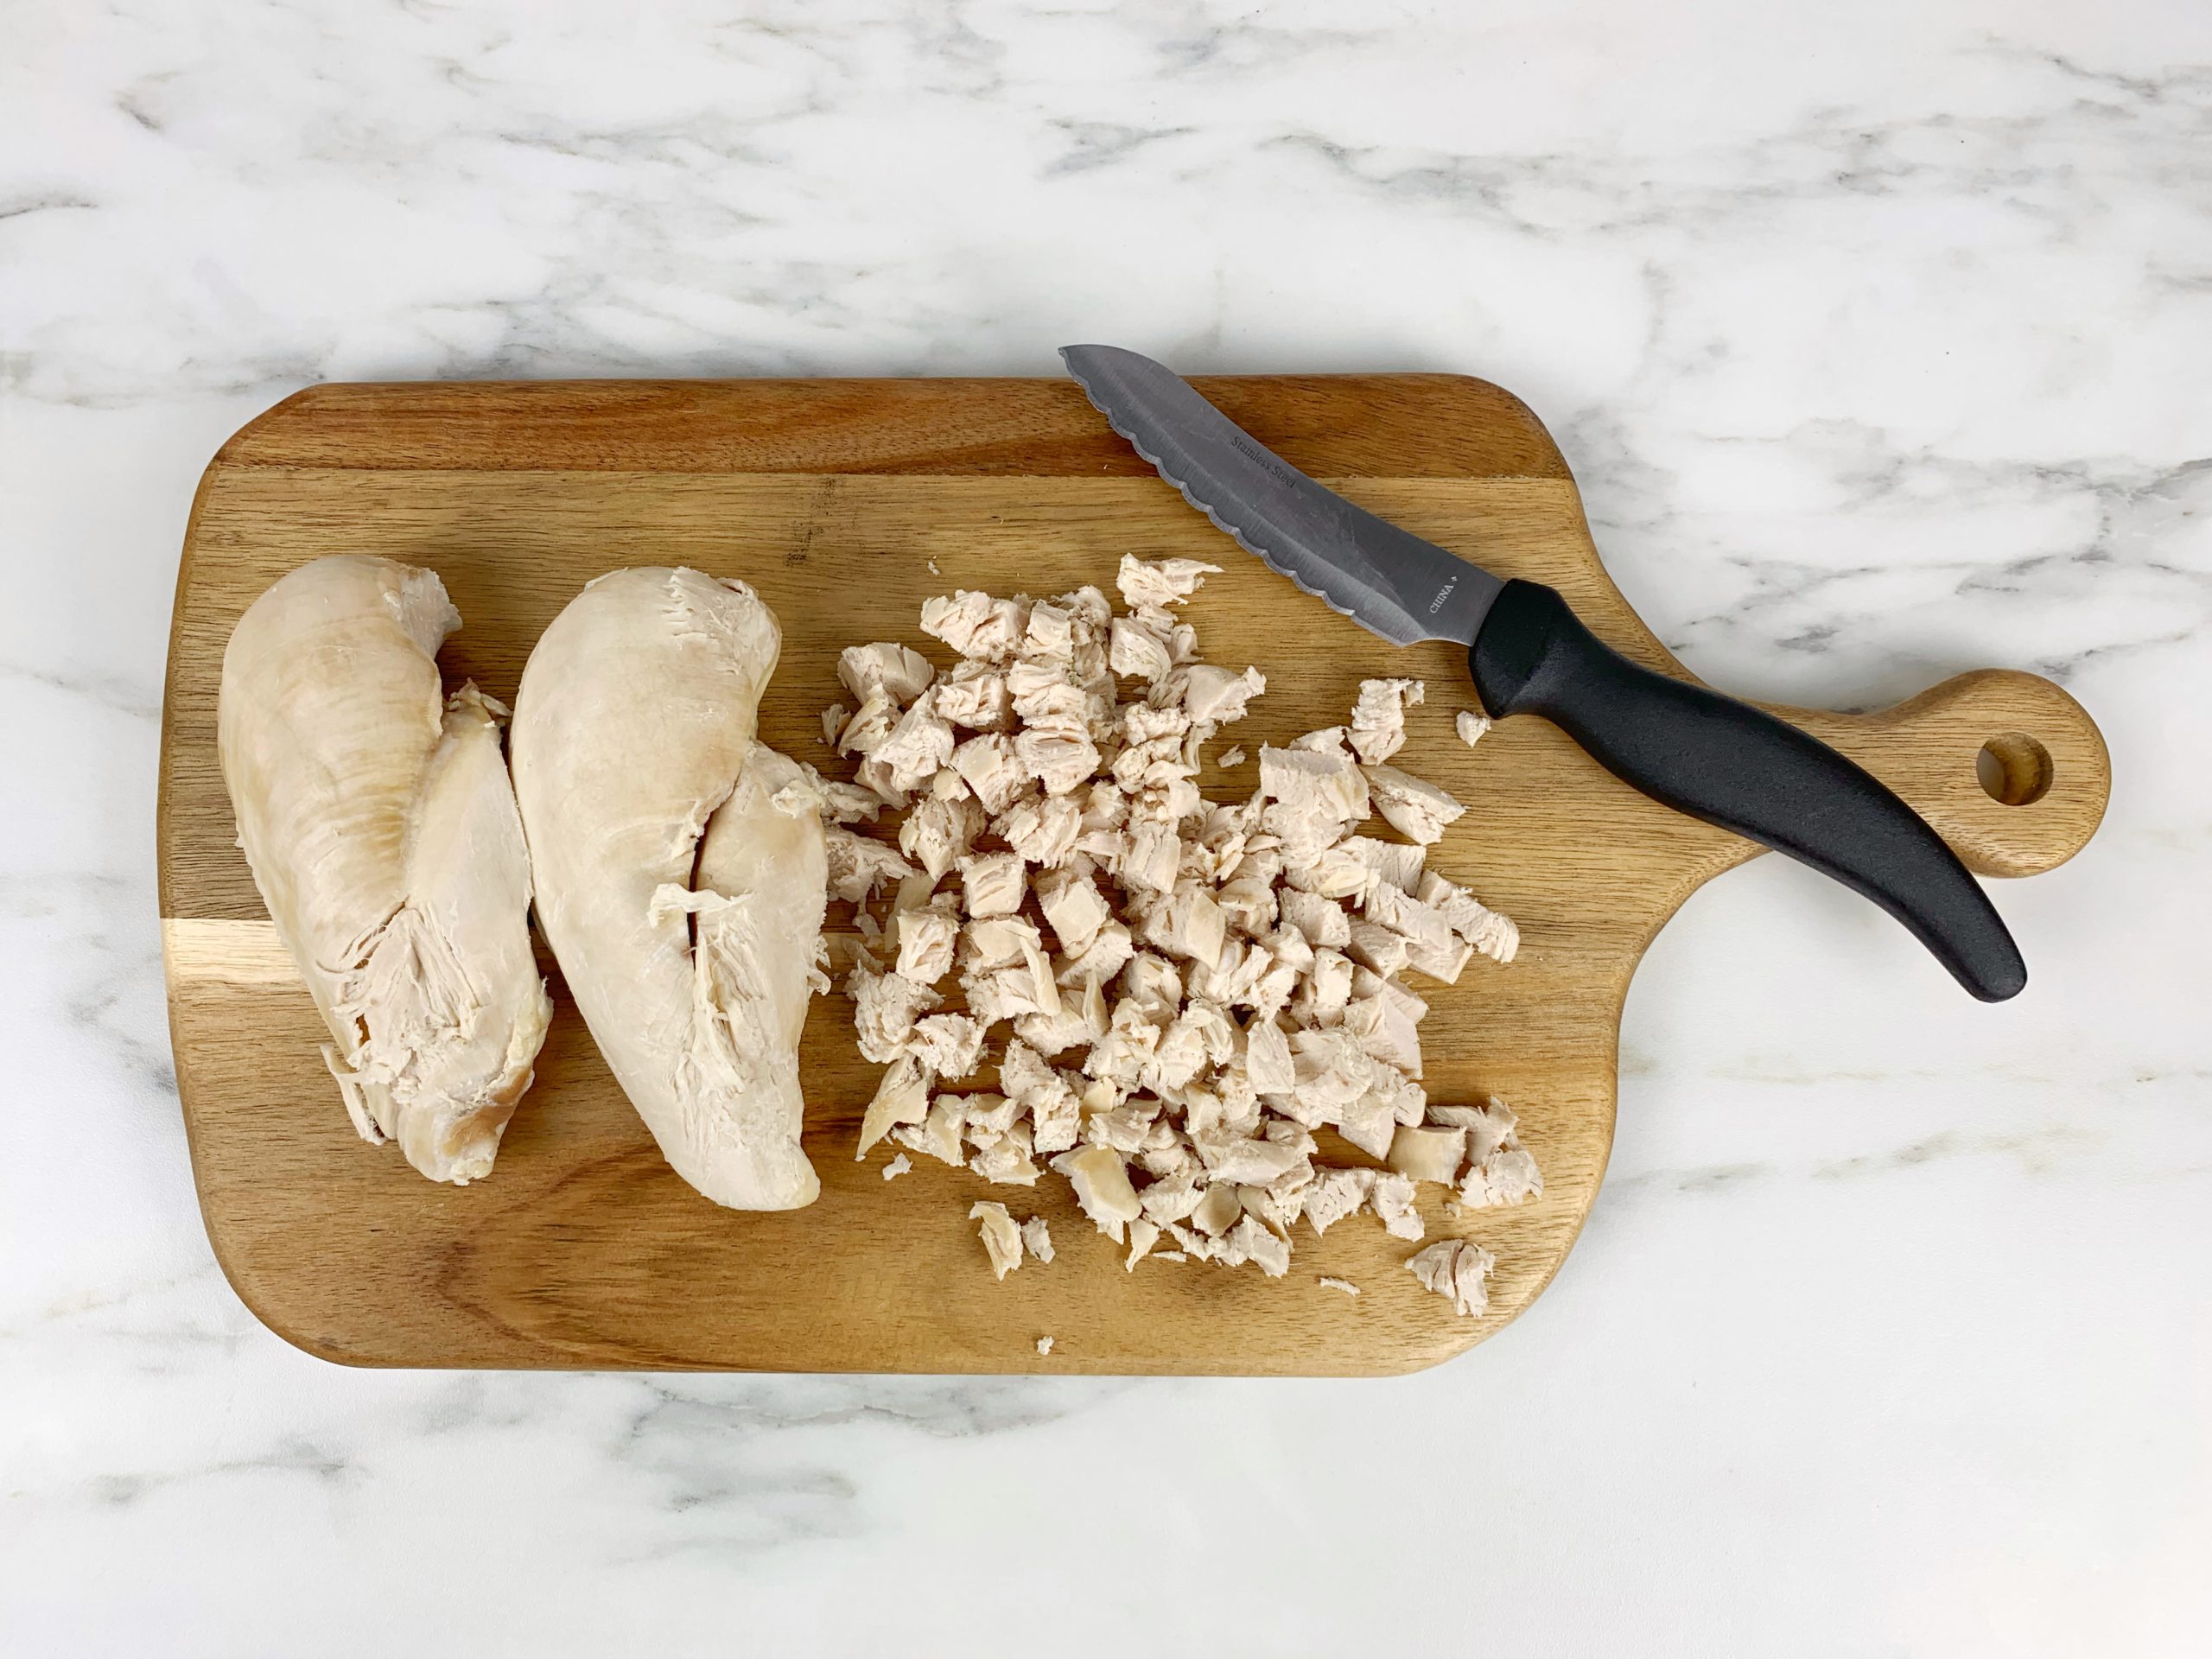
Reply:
x=1428, y=1153
x=841, y=803
x=1378, y=720
x=1314, y=796
x=886, y=1006
x=1254, y=1244
x=901, y=1097
x=939, y=1135
x=859, y=866
x=1001, y=1238
x=926, y=938
x=948, y=1046
x=1470, y=724
x=1102, y=1187
x=1489, y=1126
x=1508, y=1175
x=1037, y=1238
x=899, y=674
x=1143, y=1237
x=1417, y=810
x=1345, y=1285
x=1456, y=1269
x=1163, y=581
x=898, y=1166
x=975, y=702
x=1391, y=1199
x=1216, y=697
x=1494, y=935
x=1044, y=1345
x=993, y=883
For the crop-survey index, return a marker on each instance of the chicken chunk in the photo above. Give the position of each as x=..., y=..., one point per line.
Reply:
x=1314, y=796
x=1389, y=863
x=858, y=865
x=992, y=884
x=1102, y=1187
x=1037, y=1239
x=1335, y=1193
x=1102, y=959
x=1061, y=758
x=1217, y=697
x=948, y=1046
x=1457, y=1270
x=1042, y=832
x=1001, y=1238
x=977, y=625
x=1136, y=652
x=1074, y=906
x=901, y=1097
x=918, y=745
x=1417, y=810
x=1270, y=1254
x=1391, y=1199
x=885, y=1007
x=1322, y=921
x=987, y=764
x=925, y=940
x=1268, y=1060
x=1488, y=1127
x=975, y=698
x=938, y=1134
x=1428, y=1153
x=1493, y=935
x=1003, y=1159
x=940, y=830
x=900, y=674
x=1378, y=720
x=1160, y=581
x=1508, y=1175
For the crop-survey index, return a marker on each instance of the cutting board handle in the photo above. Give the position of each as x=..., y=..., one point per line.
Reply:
x=2007, y=767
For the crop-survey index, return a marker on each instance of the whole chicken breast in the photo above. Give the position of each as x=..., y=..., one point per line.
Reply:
x=681, y=868
x=381, y=829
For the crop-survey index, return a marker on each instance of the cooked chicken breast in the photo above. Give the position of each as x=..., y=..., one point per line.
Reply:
x=681, y=868
x=381, y=829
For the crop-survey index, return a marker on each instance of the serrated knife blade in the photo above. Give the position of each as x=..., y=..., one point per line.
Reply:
x=1388, y=579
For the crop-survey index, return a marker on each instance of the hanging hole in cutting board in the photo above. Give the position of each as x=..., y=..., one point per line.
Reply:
x=2014, y=769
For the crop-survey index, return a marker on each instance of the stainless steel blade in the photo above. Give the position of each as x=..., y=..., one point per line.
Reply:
x=1388, y=579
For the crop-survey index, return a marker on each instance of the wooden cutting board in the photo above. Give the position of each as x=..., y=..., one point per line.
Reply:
x=848, y=503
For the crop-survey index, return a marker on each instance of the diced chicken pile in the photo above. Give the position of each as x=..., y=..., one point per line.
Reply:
x=1178, y=992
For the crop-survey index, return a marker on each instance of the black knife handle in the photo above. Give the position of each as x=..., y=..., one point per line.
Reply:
x=1737, y=766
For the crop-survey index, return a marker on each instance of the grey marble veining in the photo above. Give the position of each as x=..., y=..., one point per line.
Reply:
x=1878, y=337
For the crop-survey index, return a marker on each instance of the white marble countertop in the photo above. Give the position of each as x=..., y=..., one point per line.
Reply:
x=1879, y=337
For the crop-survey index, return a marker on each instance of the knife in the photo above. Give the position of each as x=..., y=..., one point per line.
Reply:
x=1683, y=745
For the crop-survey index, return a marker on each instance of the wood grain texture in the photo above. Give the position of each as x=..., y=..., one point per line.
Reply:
x=835, y=498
